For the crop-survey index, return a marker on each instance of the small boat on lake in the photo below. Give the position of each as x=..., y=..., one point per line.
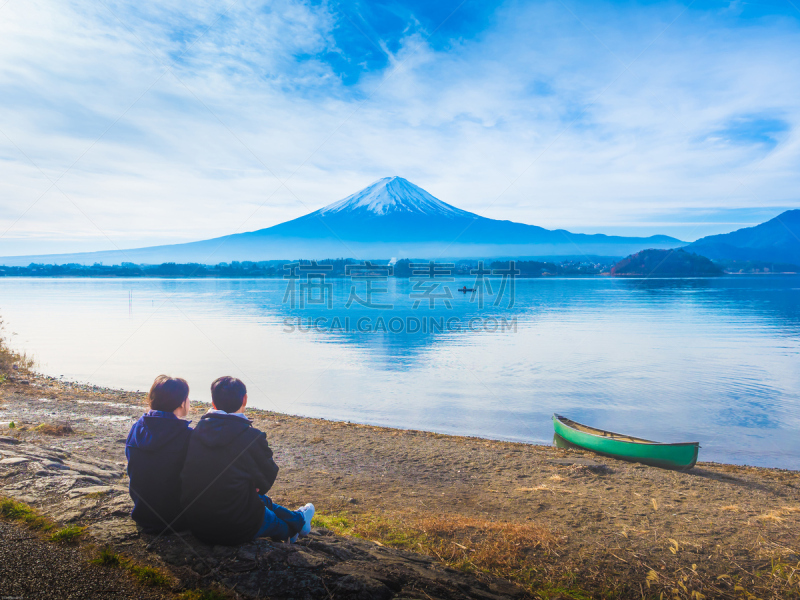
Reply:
x=680, y=456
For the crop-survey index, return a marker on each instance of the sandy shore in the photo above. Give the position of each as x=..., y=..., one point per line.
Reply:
x=605, y=527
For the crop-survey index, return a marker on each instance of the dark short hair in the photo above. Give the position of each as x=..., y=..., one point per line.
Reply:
x=167, y=393
x=228, y=393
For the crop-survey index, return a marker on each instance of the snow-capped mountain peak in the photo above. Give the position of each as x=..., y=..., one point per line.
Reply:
x=393, y=195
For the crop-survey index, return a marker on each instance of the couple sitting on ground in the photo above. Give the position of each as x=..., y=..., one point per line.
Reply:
x=211, y=480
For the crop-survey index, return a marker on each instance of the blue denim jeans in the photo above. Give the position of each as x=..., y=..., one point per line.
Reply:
x=279, y=523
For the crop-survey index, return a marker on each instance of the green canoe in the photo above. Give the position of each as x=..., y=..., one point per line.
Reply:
x=681, y=456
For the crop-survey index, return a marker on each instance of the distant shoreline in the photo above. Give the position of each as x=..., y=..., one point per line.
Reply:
x=648, y=263
x=328, y=268
x=279, y=278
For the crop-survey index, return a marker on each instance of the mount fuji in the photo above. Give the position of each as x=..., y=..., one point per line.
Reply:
x=390, y=218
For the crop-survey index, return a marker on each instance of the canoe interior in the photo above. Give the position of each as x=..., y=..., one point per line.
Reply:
x=611, y=435
x=681, y=456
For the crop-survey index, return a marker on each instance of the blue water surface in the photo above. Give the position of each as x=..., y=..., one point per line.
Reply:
x=709, y=360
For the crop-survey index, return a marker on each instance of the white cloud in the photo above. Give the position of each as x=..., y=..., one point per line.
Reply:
x=537, y=99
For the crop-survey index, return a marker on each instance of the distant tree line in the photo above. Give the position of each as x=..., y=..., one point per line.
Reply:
x=236, y=269
x=268, y=268
x=666, y=263
x=674, y=263
x=336, y=267
x=525, y=268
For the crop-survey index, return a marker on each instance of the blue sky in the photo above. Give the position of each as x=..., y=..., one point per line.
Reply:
x=131, y=124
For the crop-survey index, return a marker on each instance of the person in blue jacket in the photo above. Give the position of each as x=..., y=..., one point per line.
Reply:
x=156, y=448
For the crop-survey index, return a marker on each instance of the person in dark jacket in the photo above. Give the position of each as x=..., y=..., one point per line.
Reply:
x=227, y=473
x=156, y=448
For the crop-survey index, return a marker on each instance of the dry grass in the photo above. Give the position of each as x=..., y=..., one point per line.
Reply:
x=766, y=570
x=470, y=544
x=772, y=516
x=57, y=429
x=10, y=359
x=777, y=579
x=530, y=556
x=499, y=548
x=786, y=575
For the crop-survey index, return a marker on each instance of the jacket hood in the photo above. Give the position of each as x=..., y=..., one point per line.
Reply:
x=216, y=430
x=155, y=429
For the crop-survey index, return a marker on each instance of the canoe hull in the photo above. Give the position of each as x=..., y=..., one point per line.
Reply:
x=667, y=456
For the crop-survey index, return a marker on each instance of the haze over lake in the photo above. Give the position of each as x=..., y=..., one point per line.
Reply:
x=708, y=360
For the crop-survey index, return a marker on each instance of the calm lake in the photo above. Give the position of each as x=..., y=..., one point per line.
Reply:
x=709, y=360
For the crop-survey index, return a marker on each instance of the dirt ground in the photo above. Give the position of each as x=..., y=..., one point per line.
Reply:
x=615, y=529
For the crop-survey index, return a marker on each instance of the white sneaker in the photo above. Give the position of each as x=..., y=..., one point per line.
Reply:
x=308, y=514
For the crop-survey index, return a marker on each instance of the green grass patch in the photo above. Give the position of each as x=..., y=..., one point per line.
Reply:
x=106, y=557
x=22, y=513
x=336, y=523
x=68, y=535
x=148, y=576
x=372, y=527
x=144, y=575
x=97, y=495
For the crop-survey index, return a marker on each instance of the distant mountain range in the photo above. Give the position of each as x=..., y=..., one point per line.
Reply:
x=395, y=218
x=390, y=218
x=777, y=240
